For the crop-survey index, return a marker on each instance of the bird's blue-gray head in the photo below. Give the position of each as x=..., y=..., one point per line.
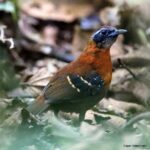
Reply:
x=106, y=36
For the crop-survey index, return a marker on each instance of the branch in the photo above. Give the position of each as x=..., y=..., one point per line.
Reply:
x=3, y=39
x=145, y=115
x=123, y=65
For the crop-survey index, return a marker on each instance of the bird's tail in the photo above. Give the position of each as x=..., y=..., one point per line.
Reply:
x=38, y=106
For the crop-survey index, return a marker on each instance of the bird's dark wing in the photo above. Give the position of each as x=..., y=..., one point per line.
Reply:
x=73, y=87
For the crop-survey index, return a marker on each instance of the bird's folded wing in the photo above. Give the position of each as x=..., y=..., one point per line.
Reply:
x=73, y=87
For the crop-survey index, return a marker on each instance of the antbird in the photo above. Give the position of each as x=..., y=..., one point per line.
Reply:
x=83, y=83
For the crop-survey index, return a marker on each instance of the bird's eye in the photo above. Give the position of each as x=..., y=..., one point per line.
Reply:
x=104, y=32
x=113, y=30
x=109, y=31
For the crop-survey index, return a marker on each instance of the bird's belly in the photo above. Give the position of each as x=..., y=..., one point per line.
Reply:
x=79, y=105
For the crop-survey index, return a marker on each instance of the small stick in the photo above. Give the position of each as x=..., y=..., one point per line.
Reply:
x=123, y=65
x=3, y=39
x=145, y=115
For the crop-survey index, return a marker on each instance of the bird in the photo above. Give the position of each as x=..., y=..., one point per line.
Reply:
x=82, y=83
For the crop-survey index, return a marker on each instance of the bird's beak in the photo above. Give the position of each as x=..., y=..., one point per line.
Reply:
x=121, y=31
x=118, y=32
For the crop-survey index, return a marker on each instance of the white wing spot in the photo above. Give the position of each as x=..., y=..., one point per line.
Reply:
x=86, y=82
x=72, y=85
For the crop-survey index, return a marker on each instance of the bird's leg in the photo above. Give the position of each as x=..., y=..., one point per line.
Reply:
x=56, y=113
x=81, y=116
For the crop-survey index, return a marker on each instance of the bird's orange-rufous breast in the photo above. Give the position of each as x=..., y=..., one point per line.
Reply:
x=100, y=60
x=91, y=59
x=103, y=66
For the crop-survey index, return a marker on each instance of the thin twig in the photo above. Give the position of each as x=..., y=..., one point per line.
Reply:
x=123, y=65
x=3, y=39
x=145, y=115
x=25, y=84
